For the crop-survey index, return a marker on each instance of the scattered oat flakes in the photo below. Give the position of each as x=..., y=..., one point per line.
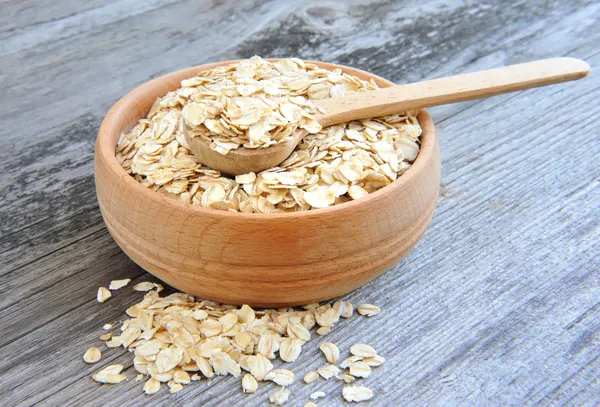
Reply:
x=92, y=355
x=329, y=371
x=106, y=327
x=357, y=393
x=105, y=337
x=310, y=404
x=249, y=383
x=116, y=284
x=368, y=310
x=317, y=395
x=103, y=294
x=331, y=351
x=280, y=396
x=363, y=350
x=174, y=336
x=311, y=377
x=144, y=286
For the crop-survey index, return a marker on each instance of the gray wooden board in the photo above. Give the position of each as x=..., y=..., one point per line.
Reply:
x=499, y=304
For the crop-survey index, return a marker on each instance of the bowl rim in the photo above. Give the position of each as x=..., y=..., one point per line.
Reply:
x=105, y=151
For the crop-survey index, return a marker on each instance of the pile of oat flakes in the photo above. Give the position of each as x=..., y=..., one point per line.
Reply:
x=177, y=340
x=254, y=104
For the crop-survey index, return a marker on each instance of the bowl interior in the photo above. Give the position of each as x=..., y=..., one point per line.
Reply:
x=125, y=114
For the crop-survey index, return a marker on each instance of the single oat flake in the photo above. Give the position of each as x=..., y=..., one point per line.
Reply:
x=348, y=361
x=249, y=383
x=368, y=310
x=181, y=377
x=282, y=377
x=103, y=294
x=331, y=351
x=117, y=284
x=92, y=355
x=317, y=395
x=374, y=361
x=174, y=387
x=360, y=369
x=329, y=371
x=311, y=377
x=259, y=366
x=110, y=375
x=347, y=378
x=324, y=330
x=362, y=350
x=347, y=308
x=145, y=286
x=357, y=393
x=151, y=386
x=280, y=396
x=290, y=349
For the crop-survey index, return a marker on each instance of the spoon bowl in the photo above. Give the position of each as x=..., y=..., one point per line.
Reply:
x=242, y=160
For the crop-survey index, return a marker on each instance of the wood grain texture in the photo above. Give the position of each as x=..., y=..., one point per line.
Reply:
x=497, y=305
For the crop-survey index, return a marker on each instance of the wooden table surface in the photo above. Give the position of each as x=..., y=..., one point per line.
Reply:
x=499, y=304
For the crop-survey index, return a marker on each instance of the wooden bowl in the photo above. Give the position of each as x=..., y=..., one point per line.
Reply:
x=261, y=259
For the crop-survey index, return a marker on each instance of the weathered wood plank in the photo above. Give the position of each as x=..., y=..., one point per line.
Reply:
x=18, y=14
x=498, y=305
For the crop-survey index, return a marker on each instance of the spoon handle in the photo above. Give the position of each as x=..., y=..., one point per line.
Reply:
x=451, y=89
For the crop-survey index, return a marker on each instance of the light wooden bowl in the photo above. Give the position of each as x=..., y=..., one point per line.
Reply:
x=261, y=259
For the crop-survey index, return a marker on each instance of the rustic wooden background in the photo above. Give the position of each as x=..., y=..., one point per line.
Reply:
x=498, y=305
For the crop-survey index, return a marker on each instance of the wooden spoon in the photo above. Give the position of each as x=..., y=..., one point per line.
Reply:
x=396, y=99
